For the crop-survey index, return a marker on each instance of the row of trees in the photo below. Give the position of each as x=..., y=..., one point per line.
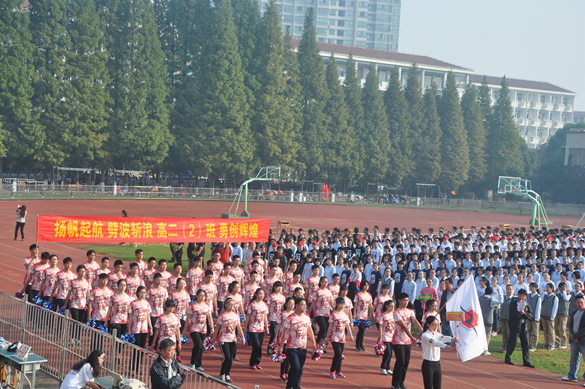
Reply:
x=217, y=89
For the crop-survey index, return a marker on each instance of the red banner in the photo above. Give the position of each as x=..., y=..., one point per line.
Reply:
x=52, y=228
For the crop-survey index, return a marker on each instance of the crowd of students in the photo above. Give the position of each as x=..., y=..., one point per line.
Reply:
x=316, y=286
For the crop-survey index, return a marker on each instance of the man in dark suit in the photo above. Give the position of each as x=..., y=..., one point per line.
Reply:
x=520, y=311
x=577, y=338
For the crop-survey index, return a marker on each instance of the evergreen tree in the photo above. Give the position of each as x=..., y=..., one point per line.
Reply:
x=21, y=136
x=376, y=139
x=485, y=102
x=292, y=93
x=454, y=147
x=411, y=148
x=247, y=21
x=504, y=153
x=224, y=143
x=71, y=91
x=139, y=136
x=399, y=126
x=316, y=139
x=428, y=167
x=473, y=121
x=353, y=97
x=273, y=123
x=343, y=137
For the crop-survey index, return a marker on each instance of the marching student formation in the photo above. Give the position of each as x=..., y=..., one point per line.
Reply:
x=309, y=286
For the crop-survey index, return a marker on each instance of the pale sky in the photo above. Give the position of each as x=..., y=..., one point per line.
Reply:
x=526, y=39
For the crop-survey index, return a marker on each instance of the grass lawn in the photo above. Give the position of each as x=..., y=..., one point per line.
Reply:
x=555, y=361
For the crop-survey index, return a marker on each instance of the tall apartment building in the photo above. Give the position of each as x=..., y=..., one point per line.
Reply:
x=540, y=108
x=366, y=24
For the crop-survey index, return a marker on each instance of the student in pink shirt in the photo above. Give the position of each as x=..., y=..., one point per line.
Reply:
x=430, y=291
x=225, y=333
x=339, y=324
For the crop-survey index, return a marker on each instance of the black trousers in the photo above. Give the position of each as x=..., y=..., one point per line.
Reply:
x=151, y=340
x=402, y=354
x=387, y=357
x=418, y=311
x=79, y=315
x=431, y=372
x=256, y=340
x=513, y=339
x=336, y=363
x=19, y=226
x=359, y=338
x=60, y=303
x=284, y=365
x=228, y=349
x=177, y=255
x=197, y=350
x=273, y=325
x=296, y=359
x=140, y=341
x=28, y=291
x=323, y=323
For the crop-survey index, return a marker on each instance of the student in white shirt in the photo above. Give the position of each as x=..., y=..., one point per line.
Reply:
x=84, y=372
x=432, y=341
x=409, y=287
x=520, y=284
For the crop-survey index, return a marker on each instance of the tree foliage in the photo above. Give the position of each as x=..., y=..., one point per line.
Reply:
x=398, y=118
x=474, y=127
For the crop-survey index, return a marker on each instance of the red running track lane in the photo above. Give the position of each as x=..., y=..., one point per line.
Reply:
x=361, y=368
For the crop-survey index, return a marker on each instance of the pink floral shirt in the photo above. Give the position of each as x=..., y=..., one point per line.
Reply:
x=297, y=327
x=256, y=313
x=338, y=321
x=388, y=326
x=99, y=306
x=28, y=271
x=139, y=312
x=113, y=281
x=348, y=305
x=379, y=306
x=90, y=270
x=334, y=291
x=157, y=299
x=96, y=276
x=222, y=287
x=64, y=284
x=173, y=283
x=362, y=300
x=37, y=270
x=194, y=279
x=237, y=274
x=227, y=322
x=79, y=293
x=211, y=291
x=322, y=303
x=198, y=314
x=50, y=278
x=168, y=328
x=147, y=276
x=275, y=304
x=400, y=337
x=132, y=286
x=120, y=306
x=181, y=300
x=312, y=287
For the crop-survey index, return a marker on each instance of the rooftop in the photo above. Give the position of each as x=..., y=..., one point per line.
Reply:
x=516, y=83
x=383, y=55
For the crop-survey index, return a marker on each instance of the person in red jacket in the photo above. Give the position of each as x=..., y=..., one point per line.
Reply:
x=224, y=251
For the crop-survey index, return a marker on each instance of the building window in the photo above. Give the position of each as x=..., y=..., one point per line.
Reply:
x=287, y=18
x=496, y=94
x=322, y=40
x=380, y=46
x=349, y=23
x=394, y=38
x=363, y=15
x=341, y=14
x=518, y=96
x=321, y=31
x=340, y=33
x=332, y=41
x=300, y=9
x=340, y=42
x=360, y=44
x=349, y=14
x=576, y=157
x=332, y=22
x=396, y=19
x=341, y=23
x=331, y=32
x=322, y=11
x=332, y=2
x=360, y=34
x=298, y=30
x=542, y=98
x=332, y=12
x=341, y=73
x=341, y=3
x=363, y=4
x=565, y=100
x=322, y=2
x=299, y=19
x=288, y=9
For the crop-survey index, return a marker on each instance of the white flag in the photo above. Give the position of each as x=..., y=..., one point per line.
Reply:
x=471, y=330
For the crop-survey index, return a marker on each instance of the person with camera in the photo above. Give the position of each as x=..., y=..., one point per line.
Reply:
x=20, y=221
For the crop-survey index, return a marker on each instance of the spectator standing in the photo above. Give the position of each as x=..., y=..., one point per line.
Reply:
x=576, y=339
x=20, y=221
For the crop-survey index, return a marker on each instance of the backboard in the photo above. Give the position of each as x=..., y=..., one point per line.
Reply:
x=273, y=174
x=513, y=185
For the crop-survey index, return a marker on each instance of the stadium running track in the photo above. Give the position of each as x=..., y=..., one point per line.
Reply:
x=361, y=368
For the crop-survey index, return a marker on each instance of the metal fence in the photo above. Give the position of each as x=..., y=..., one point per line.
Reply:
x=42, y=191
x=63, y=342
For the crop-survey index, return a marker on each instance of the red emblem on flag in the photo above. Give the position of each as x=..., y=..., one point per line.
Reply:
x=470, y=321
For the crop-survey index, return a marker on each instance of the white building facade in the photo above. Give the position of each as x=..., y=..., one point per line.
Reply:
x=540, y=108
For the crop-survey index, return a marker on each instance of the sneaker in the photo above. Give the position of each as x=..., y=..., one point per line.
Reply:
x=286, y=376
x=494, y=334
x=342, y=357
x=562, y=346
x=569, y=379
x=228, y=378
x=532, y=350
x=200, y=369
x=253, y=367
x=222, y=377
x=390, y=372
x=258, y=367
x=282, y=378
x=503, y=351
x=179, y=359
x=236, y=359
x=486, y=353
x=383, y=371
x=339, y=375
x=332, y=375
